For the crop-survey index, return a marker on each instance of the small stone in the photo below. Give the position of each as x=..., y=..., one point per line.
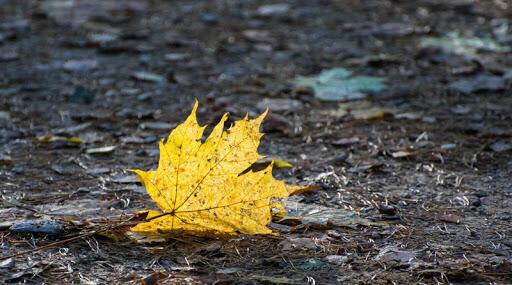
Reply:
x=366, y=209
x=311, y=264
x=5, y=115
x=344, y=142
x=429, y=120
x=152, y=279
x=338, y=159
x=257, y=36
x=209, y=18
x=81, y=65
x=376, y=235
x=124, y=179
x=477, y=202
x=450, y=218
x=401, y=154
x=480, y=83
x=83, y=190
x=390, y=29
x=101, y=150
x=8, y=53
x=273, y=10
x=276, y=123
x=157, y=126
x=481, y=194
x=408, y=116
x=500, y=146
x=213, y=247
x=298, y=244
x=98, y=171
x=484, y=211
x=448, y=146
x=6, y=263
x=336, y=259
x=333, y=233
x=18, y=169
x=387, y=209
x=280, y=105
x=148, y=77
x=101, y=39
x=461, y=109
x=41, y=226
x=229, y=270
x=5, y=159
x=176, y=56
x=392, y=254
x=81, y=95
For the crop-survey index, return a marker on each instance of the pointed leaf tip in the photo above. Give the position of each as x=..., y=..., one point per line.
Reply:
x=193, y=113
x=264, y=114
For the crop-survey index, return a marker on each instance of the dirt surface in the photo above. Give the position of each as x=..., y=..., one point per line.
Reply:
x=428, y=163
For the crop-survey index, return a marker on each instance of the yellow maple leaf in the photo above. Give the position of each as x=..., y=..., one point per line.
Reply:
x=201, y=187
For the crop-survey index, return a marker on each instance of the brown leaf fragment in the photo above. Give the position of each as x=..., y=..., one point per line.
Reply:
x=152, y=279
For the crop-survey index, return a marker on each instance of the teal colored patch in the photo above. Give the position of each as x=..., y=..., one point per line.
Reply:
x=456, y=44
x=311, y=264
x=338, y=84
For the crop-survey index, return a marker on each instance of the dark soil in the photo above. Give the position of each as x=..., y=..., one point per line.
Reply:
x=434, y=172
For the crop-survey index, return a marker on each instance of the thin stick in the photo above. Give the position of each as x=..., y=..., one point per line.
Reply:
x=61, y=242
x=65, y=241
x=22, y=206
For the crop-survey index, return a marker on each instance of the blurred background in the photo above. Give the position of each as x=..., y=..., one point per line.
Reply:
x=398, y=110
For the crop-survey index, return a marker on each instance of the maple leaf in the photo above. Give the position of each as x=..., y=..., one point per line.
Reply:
x=204, y=188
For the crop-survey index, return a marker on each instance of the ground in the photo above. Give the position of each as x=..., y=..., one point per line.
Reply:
x=427, y=163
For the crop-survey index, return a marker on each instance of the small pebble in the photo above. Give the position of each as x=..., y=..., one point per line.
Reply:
x=387, y=209
x=477, y=203
x=481, y=194
x=376, y=235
